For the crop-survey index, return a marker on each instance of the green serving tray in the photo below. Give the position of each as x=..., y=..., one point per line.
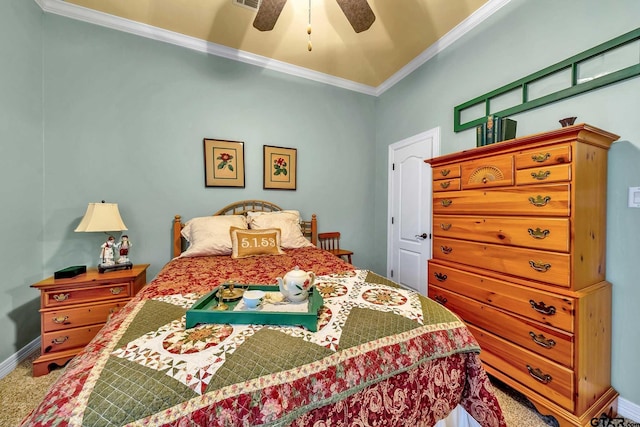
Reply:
x=202, y=311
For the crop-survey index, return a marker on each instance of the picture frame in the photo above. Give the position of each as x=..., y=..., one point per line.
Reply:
x=280, y=168
x=223, y=163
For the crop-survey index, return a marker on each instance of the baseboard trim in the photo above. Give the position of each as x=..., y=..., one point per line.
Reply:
x=628, y=410
x=14, y=360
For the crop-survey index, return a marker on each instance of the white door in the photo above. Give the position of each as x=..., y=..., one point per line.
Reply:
x=409, y=229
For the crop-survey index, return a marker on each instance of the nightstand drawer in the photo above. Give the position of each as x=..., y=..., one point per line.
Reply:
x=536, y=233
x=540, y=306
x=446, y=185
x=446, y=172
x=538, y=200
x=542, y=340
x=70, y=338
x=74, y=317
x=107, y=291
x=546, y=378
x=557, y=173
x=547, y=267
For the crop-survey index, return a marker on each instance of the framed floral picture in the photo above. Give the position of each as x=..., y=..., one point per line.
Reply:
x=223, y=163
x=280, y=168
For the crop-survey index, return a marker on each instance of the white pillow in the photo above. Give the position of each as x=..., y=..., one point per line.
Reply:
x=287, y=221
x=209, y=235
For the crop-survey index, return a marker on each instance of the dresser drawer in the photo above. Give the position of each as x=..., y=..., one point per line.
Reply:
x=538, y=200
x=547, y=267
x=536, y=233
x=488, y=172
x=544, y=156
x=557, y=173
x=446, y=185
x=70, y=338
x=109, y=291
x=446, y=172
x=67, y=318
x=544, y=307
x=549, y=379
x=548, y=342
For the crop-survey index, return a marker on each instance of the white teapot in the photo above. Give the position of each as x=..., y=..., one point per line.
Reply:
x=296, y=284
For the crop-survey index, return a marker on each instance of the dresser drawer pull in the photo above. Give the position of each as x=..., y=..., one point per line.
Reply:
x=540, y=158
x=60, y=319
x=538, y=234
x=445, y=172
x=116, y=291
x=445, y=184
x=440, y=300
x=539, y=201
x=61, y=297
x=538, y=266
x=445, y=227
x=539, y=375
x=542, y=340
x=541, y=307
x=59, y=340
x=440, y=277
x=446, y=202
x=446, y=249
x=541, y=176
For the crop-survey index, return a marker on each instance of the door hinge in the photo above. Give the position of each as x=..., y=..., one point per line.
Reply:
x=391, y=220
x=393, y=166
x=391, y=273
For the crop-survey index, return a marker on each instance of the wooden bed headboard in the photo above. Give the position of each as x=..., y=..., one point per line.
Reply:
x=309, y=228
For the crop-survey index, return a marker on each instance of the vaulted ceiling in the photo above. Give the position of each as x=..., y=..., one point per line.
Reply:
x=404, y=31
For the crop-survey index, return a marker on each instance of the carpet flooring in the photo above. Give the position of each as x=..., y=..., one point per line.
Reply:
x=20, y=392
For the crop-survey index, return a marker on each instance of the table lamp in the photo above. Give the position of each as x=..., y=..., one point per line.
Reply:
x=105, y=217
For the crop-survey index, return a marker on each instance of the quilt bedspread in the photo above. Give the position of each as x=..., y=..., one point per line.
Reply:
x=382, y=355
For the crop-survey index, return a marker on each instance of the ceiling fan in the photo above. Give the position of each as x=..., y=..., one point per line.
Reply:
x=357, y=12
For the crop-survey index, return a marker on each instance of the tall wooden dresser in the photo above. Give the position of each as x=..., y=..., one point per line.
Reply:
x=519, y=254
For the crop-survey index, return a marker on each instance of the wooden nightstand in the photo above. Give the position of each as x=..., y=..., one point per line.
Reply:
x=73, y=310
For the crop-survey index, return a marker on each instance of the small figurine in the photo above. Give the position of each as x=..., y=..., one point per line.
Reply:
x=123, y=248
x=106, y=255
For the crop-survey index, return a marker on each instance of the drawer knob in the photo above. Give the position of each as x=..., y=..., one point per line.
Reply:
x=540, y=176
x=542, y=340
x=446, y=202
x=59, y=340
x=539, y=375
x=445, y=227
x=445, y=172
x=541, y=307
x=539, y=201
x=538, y=234
x=445, y=184
x=446, y=249
x=540, y=158
x=60, y=319
x=61, y=297
x=440, y=299
x=539, y=266
x=116, y=291
x=440, y=277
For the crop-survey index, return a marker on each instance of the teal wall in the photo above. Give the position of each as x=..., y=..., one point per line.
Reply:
x=512, y=44
x=90, y=114
x=21, y=171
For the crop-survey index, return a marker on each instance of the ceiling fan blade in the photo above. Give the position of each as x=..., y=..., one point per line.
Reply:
x=268, y=14
x=359, y=14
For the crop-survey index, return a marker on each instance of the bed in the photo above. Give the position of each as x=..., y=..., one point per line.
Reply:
x=382, y=355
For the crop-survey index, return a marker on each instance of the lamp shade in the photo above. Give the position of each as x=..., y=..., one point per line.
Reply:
x=101, y=217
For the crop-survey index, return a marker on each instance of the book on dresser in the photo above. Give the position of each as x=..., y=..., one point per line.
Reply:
x=519, y=254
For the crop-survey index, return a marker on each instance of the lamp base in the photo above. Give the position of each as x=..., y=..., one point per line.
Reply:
x=108, y=267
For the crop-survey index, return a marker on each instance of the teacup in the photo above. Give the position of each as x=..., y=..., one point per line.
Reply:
x=253, y=298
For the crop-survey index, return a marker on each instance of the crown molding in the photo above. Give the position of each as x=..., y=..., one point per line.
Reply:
x=445, y=41
x=62, y=8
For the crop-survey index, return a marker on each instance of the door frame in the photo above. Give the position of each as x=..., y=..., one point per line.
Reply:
x=434, y=135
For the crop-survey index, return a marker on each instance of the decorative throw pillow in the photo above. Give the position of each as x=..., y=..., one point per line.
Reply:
x=248, y=243
x=209, y=235
x=287, y=221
